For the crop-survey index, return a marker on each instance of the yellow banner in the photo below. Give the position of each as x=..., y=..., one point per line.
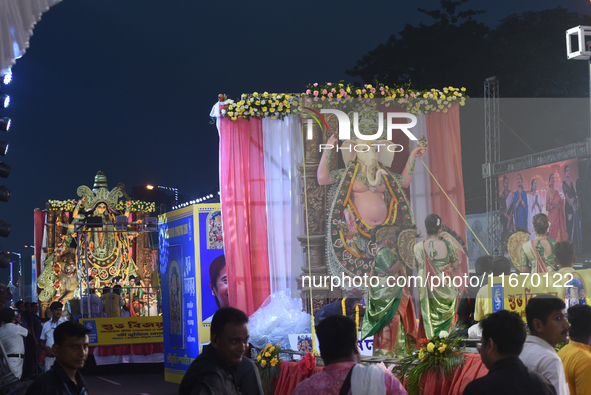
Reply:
x=512, y=292
x=124, y=330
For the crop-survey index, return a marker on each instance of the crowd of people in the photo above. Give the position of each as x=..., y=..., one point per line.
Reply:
x=139, y=299
x=50, y=353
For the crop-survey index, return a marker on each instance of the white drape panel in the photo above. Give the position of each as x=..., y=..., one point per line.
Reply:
x=283, y=152
x=17, y=19
x=420, y=187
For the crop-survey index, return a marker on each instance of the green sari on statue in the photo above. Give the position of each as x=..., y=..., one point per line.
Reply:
x=389, y=315
x=438, y=304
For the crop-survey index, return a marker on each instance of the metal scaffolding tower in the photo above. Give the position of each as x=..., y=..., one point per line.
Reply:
x=492, y=156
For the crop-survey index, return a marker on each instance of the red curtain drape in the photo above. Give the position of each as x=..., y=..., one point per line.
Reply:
x=242, y=185
x=445, y=159
x=39, y=228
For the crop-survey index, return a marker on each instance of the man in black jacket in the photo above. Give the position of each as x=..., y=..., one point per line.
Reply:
x=503, y=336
x=71, y=350
x=221, y=369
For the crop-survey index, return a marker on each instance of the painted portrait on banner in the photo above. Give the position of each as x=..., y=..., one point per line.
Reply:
x=214, y=284
x=215, y=231
x=551, y=189
x=575, y=292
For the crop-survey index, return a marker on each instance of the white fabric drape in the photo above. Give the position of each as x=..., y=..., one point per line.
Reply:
x=420, y=187
x=283, y=152
x=17, y=19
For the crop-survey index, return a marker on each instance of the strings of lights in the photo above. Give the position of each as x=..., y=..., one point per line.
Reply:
x=196, y=201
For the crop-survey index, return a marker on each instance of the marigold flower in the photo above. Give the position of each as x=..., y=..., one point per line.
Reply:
x=263, y=363
x=267, y=354
x=274, y=361
x=442, y=348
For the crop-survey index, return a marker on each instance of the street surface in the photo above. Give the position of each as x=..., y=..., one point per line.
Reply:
x=128, y=379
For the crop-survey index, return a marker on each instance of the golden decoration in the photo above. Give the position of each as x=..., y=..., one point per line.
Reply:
x=514, y=245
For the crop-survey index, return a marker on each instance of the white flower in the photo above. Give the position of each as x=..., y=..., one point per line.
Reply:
x=223, y=112
x=443, y=334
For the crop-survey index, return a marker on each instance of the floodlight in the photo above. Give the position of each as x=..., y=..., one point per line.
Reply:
x=7, y=77
x=121, y=223
x=94, y=222
x=4, y=229
x=151, y=224
x=4, y=99
x=5, y=194
x=3, y=148
x=4, y=124
x=4, y=170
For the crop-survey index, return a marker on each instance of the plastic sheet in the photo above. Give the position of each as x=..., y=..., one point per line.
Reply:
x=278, y=317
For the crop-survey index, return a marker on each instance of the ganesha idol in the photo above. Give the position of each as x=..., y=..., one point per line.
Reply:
x=365, y=196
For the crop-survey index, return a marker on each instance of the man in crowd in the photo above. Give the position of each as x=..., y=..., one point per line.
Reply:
x=112, y=301
x=564, y=254
x=96, y=304
x=46, y=337
x=30, y=369
x=501, y=266
x=483, y=267
x=221, y=367
x=503, y=335
x=548, y=326
x=71, y=350
x=337, y=336
x=13, y=339
x=576, y=355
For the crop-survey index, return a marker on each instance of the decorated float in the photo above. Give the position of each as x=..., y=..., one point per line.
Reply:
x=93, y=243
x=299, y=207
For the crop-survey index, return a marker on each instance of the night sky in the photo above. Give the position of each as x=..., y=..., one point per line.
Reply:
x=126, y=86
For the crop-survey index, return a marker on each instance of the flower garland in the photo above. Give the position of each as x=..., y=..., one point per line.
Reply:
x=441, y=354
x=255, y=105
x=136, y=205
x=132, y=206
x=280, y=105
x=356, y=312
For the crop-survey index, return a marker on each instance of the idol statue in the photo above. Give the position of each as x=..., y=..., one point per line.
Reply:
x=90, y=248
x=367, y=211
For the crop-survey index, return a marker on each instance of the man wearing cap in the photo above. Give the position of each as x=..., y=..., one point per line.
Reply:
x=12, y=337
x=46, y=341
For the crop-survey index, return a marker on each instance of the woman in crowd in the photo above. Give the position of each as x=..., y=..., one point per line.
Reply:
x=436, y=257
x=537, y=255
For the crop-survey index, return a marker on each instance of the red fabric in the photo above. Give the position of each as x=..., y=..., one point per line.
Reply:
x=445, y=162
x=290, y=376
x=244, y=216
x=134, y=349
x=39, y=227
x=472, y=369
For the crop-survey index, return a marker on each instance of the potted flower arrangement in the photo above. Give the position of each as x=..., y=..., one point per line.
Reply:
x=440, y=355
x=269, y=365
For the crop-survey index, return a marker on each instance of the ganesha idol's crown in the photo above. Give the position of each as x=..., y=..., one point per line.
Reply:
x=100, y=193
